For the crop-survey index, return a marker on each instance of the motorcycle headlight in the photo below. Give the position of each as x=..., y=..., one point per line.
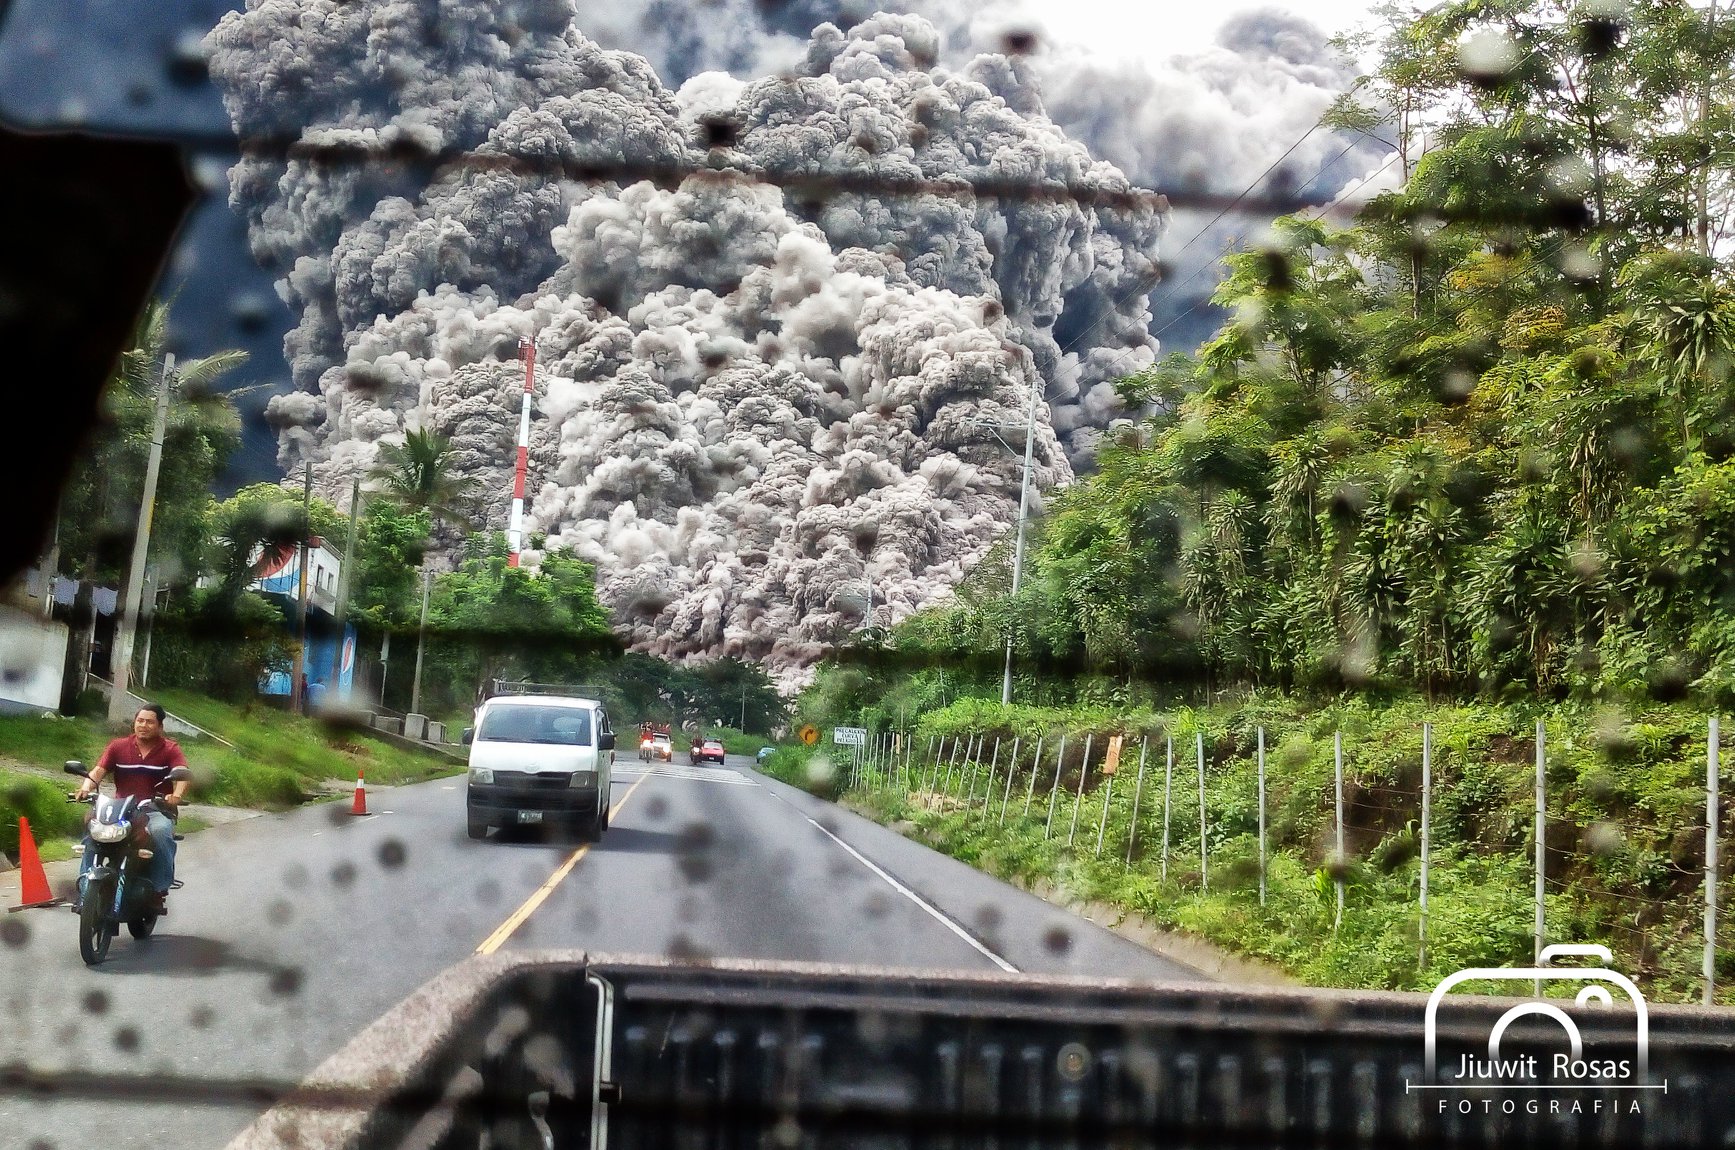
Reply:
x=583, y=779
x=107, y=832
x=482, y=775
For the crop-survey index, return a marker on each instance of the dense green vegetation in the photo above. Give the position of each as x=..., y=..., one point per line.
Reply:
x=276, y=761
x=1479, y=443
x=1471, y=457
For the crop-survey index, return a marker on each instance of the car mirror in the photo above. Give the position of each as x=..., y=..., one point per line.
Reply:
x=605, y=741
x=180, y=775
x=468, y=737
x=74, y=767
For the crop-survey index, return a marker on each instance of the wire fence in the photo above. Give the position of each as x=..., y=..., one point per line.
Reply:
x=999, y=779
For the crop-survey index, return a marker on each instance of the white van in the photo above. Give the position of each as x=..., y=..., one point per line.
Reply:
x=539, y=759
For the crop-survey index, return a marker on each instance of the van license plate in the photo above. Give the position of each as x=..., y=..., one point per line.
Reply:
x=529, y=816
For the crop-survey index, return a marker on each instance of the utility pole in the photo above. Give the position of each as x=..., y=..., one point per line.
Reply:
x=1023, y=511
x=343, y=585
x=129, y=617
x=150, y=615
x=298, y=672
x=743, y=708
x=421, y=638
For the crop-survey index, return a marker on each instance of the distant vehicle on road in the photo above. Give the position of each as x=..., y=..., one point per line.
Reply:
x=540, y=759
x=656, y=743
x=707, y=751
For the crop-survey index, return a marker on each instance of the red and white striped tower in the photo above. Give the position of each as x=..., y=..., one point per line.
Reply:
x=515, y=531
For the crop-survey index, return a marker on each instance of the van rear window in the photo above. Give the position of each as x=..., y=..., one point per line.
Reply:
x=528, y=723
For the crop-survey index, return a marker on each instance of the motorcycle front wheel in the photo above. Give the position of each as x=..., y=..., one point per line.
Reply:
x=95, y=931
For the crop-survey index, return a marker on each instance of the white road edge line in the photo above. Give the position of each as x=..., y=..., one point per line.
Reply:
x=938, y=914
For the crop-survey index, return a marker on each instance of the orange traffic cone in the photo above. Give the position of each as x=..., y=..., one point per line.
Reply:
x=359, y=806
x=33, y=884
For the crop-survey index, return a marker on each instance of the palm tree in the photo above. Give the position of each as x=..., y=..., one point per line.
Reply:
x=99, y=503
x=194, y=379
x=417, y=474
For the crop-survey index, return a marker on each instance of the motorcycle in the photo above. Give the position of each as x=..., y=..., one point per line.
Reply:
x=115, y=889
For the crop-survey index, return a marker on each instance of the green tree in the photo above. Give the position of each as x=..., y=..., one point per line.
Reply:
x=487, y=620
x=417, y=474
x=100, y=503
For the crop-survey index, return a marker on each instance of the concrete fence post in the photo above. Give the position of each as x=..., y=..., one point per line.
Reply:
x=1427, y=817
x=1107, y=792
x=1168, y=792
x=1054, y=788
x=1337, y=758
x=1541, y=841
x=1712, y=754
x=993, y=773
x=1011, y=769
x=1035, y=769
x=1083, y=773
x=1204, y=861
x=1261, y=816
x=1138, y=793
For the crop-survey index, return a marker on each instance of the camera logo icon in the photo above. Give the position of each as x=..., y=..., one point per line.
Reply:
x=1569, y=1067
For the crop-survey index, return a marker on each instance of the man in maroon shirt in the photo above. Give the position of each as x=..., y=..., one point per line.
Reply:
x=141, y=763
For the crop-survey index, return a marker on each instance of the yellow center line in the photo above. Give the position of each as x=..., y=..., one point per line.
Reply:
x=494, y=941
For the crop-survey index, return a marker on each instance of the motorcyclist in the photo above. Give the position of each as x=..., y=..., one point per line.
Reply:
x=141, y=763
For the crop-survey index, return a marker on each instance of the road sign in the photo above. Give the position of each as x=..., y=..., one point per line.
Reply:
x=849, y=736
x=810, y=734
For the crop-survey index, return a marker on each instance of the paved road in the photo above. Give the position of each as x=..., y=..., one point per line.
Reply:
x=296, y=930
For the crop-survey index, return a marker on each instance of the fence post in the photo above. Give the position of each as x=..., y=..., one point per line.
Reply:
x=1011, y=769
x=933, y=774
x=1168, y=789
x=1712, y=749
x=951, y=764
x=1054, y=787
x=909, y=746
x=1338, y=865
x=1035, y=769
x=1107, y=791
x=1427, y=813
x=1541, y=838
x=1138, y=793
x=1083, y=772
x=1204, y=865
x=1261, y=816
x=993, y=773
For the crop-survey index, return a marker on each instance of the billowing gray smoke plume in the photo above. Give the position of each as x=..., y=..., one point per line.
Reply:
x=752, y=406
x=1211, y=120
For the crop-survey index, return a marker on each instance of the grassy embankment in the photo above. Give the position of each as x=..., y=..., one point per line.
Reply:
x=278, y=761
x=1625, y=840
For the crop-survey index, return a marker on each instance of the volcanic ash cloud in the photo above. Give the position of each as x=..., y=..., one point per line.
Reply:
x=751, y=406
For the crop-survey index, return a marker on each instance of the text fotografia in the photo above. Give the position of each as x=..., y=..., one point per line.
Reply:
x=1566, y=1080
